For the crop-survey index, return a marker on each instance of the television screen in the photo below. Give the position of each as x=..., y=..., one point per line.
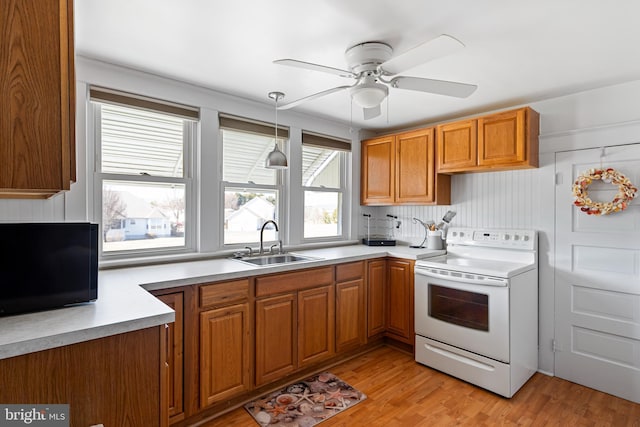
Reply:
x=47, y=265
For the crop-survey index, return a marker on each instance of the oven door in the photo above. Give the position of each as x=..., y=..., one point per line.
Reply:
x=467, y=311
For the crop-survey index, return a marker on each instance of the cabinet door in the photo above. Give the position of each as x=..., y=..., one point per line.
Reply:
x=37, y=85
x=275, y=337
x=225, y=349
x=457, y=146
x=415, y=174
x=350, y=315
x=113, y=380
x=174, y=356
x=400, y=309
x=376, y=297
x=503, y=140
x=378, y=171
x=316, y=317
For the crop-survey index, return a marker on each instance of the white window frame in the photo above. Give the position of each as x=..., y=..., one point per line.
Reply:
x=345, y=197
x=280, y=187
x=190, y=132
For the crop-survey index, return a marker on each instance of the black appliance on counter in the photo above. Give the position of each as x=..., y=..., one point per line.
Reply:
x=47, y=265
x=380, y=234
x=378, y=241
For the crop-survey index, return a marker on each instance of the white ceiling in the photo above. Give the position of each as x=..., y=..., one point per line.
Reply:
x=517, y=51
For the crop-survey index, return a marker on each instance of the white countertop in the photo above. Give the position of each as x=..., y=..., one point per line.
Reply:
x=124, y=305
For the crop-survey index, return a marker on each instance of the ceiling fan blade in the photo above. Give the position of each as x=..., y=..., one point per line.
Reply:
x=310, y=97
x=432, y=49
x=314, y=67
x=371, y=113
x=440, y=87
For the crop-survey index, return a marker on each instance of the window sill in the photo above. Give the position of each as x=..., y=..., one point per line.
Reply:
x=199, y=256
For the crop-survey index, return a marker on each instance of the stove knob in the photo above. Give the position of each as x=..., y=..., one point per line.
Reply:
x=525, y=238
x=506, y=237
x=516, y=237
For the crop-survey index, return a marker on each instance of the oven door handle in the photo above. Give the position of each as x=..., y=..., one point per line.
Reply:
x=472, y=279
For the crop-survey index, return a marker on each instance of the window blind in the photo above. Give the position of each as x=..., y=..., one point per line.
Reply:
x=252, y=126
x=110, y=96
x=322, y=141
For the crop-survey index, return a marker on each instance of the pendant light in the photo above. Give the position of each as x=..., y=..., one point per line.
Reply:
x=276, y=159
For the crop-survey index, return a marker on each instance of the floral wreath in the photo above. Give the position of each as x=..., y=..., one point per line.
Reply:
x=626, y=192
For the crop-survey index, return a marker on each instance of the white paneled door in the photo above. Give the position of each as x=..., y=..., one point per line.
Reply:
x=597, y=278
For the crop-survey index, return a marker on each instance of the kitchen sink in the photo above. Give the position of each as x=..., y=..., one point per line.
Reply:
x=275, y=259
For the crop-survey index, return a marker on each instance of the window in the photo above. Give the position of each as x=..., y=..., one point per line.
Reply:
x=252, y=193
x=323, y=180
x=144, y=186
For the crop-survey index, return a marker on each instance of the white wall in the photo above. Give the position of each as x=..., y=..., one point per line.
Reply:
x=525, y=199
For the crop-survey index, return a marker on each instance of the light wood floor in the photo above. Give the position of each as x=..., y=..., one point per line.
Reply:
x=403, y=393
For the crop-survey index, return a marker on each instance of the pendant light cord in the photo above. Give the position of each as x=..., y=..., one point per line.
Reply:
x=276, y=98
x=276, y=159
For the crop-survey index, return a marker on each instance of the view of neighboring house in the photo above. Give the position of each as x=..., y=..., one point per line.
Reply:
x=250, y=216
x=139, y=220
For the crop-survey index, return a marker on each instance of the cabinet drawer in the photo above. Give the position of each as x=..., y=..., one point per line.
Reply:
x=224, y=292
x=350, y=271
x=287, y=282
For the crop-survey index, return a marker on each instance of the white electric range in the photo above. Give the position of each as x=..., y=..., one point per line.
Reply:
x=477, y=308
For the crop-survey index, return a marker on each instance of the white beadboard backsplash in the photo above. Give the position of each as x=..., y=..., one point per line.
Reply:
x=506, y=199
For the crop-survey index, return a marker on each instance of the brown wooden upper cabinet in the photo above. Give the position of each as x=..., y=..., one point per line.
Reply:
x=400, y=169
x=501, y=141
x=37, y=106
x=378, y=171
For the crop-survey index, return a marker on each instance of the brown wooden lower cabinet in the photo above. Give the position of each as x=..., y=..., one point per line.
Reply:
x=400, y=308
x=224, y=346
x=295, y=328
x=234, y=339
x=276, y=334
x=316, y=320
x=113, y=381
x=225, y=353
x=174, y=356
x=376, y=297
x=350, y=306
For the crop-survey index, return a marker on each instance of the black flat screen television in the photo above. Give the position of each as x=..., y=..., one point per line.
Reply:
x=47, y=265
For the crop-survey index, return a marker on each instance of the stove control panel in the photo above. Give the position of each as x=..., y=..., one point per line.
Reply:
x=505, y=238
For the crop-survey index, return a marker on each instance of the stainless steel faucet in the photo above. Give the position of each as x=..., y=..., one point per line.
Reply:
x=262, y=233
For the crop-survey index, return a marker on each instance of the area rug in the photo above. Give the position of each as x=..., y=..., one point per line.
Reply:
x=305, y=403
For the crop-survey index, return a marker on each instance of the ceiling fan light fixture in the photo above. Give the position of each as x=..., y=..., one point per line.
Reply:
x=368, y=95
x=276, y=159
x=373, y=63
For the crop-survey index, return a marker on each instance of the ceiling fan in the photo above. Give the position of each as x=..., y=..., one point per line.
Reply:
x=372, y=63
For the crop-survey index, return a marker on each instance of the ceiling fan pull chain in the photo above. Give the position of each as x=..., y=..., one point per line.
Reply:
x=351, y=111
x=387, y=111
